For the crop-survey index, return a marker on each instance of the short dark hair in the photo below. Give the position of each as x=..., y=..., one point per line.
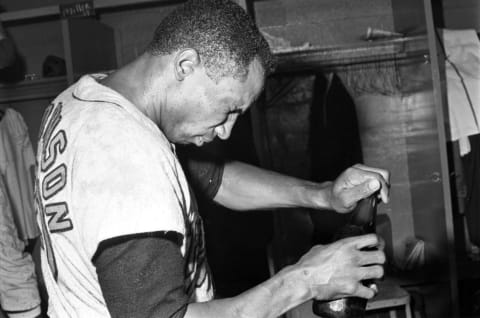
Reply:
x=223, y=34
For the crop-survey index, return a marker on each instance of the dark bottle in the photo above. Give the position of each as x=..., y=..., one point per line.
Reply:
x=362, y=221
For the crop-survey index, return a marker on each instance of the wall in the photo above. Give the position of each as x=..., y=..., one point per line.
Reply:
x=134, y=29
x=462, y=14
x=324, y=23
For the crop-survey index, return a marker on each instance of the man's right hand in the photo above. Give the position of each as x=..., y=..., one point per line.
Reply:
x=326, y=272
x=338, y=269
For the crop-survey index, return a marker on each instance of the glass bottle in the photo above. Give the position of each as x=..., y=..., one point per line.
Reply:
x=361, y=221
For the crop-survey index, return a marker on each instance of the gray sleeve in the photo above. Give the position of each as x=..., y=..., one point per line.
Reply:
x=204, y=171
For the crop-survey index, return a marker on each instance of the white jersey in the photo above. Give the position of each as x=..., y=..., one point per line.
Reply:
x=105, y=170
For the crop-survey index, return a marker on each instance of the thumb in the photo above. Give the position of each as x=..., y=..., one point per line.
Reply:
x=365, y=189
x=373, y=185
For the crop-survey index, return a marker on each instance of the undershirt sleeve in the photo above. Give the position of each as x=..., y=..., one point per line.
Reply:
x=203, y=169
x=142, y=275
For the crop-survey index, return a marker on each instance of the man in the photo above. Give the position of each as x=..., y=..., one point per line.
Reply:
x=121, y=231
x=19, y=295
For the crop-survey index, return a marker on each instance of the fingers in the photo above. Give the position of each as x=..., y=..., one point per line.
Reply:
x=374, y=287
x=368, y=289
x=362, y=282
x=364, y=181
x=376, y=179
x=340, y=269
x=384, y=173
x=356, y=183
x=366, y=257
x=381, y=243
x=363, y=241
x=371, y=272
x=365, y=292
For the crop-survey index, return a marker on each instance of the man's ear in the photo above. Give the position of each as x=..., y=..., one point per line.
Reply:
x=186, y=61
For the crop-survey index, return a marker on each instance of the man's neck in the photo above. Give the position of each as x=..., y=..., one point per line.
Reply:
x=133, y=81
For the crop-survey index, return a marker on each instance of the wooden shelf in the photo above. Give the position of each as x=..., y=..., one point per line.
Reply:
x=304, y=58
x=32, y=89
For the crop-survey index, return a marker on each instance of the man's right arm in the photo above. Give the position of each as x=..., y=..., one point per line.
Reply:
x=143, y=278
x=324, y=273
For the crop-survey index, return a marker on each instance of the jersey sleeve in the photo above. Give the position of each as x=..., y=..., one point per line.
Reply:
x=125, y=180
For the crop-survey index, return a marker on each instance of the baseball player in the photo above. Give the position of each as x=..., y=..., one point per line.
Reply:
x=121, y=233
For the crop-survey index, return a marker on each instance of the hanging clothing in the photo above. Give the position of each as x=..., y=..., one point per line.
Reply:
x=17, y=165
x=462, y=65
x=471, y=168
x=19, y=295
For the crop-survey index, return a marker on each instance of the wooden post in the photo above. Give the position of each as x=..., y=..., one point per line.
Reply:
x=440, y=102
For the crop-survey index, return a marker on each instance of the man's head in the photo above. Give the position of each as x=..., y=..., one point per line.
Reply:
x=222, y=33
x=219, y=60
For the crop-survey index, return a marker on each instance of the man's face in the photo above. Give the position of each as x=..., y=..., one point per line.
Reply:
x=203, y=109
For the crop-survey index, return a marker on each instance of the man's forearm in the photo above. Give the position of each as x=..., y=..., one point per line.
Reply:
x=325, y=272
x=270, y=299
x=246, y=187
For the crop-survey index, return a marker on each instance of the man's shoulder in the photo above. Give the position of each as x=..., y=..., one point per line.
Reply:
x=92, y=109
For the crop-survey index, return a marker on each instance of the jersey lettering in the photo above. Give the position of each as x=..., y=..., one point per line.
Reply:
x=46, y=241
x=54, y=181
x=58, y=221
x=46, y=114
x=55, y=146
x=51, y=182
x=51, y=125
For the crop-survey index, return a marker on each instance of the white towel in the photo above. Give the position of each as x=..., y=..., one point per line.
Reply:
x=463, y=50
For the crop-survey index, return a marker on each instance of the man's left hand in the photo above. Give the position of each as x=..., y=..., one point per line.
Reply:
x=356, y=183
